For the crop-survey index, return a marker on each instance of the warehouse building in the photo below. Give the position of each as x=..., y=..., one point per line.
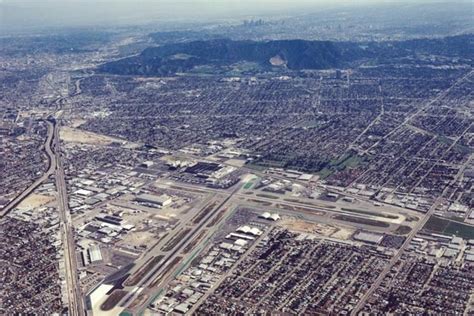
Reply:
x=371, y=238
x=160, y=200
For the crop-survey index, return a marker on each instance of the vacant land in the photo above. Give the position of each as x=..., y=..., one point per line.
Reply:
x=75, y=135
x=359, y=220
x=139, y=238
x=137, y=276
x=35, y=201
x=204, y=212
x=176, y=239
x=370, y=213
x=267, y=196
x=307, y=227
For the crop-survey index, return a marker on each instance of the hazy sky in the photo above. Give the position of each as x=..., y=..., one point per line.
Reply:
x=34, y=14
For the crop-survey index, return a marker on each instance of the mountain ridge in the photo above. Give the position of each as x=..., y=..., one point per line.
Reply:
x=296, y=54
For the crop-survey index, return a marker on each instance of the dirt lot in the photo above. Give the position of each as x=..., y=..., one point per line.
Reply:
x=35, y=200
x=317, y=228
x=343, y=233
x=236, y=162
x=308, y=227
x=139, y=238
x=74, y=135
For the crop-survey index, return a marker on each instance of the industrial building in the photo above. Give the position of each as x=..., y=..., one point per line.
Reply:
x=91, y=255
x=269, y=216
x=371, y=238
x=160, y=200
x=254, y=231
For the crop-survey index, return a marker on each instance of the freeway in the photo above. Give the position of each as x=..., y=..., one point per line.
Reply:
x=73, y=291
x=75, y=300
x=55, y=168
x=52, y=149
x=51, y=168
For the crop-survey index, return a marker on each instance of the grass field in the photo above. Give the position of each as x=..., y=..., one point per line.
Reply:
x=323, y=174
x=347, y=161
x=402, y=230
x=449, y=228
x=248, y=185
